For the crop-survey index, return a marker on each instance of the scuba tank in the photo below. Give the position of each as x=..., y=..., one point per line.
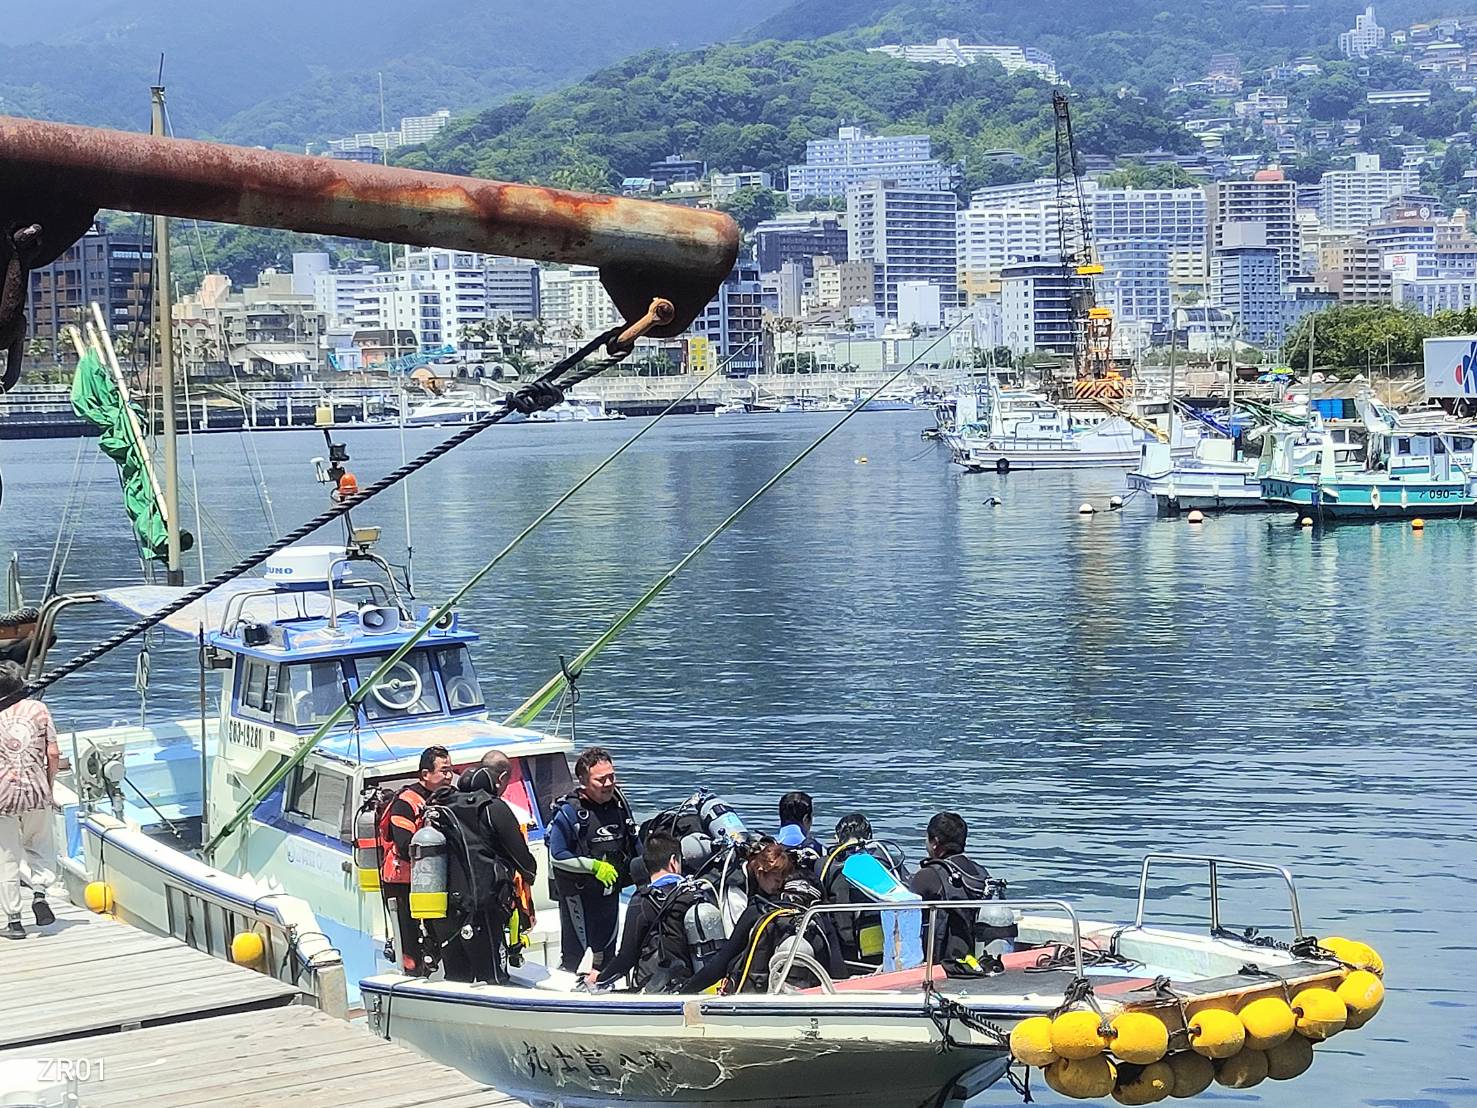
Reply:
x=718, y=819
x=428, y=889
x=367, y=845
x=703, y=923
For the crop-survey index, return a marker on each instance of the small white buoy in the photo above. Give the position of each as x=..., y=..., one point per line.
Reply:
x=862, y=460
x=1196, y=516
x=1114, y=503
x=1417, y=524
x=1086, y=509
x=1306, y=521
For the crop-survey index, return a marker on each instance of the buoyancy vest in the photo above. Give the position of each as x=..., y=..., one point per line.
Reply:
x=860, y=933
x=395, y=869
x=779, y=921
x=667, y=958
x=608, y=835
x=479, y=875
x=957, y=937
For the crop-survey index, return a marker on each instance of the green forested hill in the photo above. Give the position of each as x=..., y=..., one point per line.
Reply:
x=756, y=105
x=1145, y=44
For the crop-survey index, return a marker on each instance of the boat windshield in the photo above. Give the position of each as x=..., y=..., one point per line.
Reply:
x=409, y=689
x=458, y=678
x=308, y=693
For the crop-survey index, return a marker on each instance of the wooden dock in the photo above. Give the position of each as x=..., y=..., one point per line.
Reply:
x=133, y=1018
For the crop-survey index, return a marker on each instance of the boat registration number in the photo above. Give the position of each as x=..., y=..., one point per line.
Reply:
x=253, y=736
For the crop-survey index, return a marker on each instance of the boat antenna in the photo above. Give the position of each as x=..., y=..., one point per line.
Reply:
x=529, y=710
x=356, y=695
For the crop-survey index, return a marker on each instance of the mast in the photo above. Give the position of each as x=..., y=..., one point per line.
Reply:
x=165, y=319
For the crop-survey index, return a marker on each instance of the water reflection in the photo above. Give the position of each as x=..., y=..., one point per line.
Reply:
x=1084, y=690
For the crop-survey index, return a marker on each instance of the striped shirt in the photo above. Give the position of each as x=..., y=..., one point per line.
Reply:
x=26, y=736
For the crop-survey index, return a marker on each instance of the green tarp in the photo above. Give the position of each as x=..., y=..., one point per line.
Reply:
x=95, y=398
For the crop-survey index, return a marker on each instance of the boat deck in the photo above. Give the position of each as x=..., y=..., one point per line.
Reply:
x=134, y=1018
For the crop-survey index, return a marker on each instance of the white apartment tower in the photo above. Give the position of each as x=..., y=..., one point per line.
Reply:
x=1352, y=199
x=852, y=157
x=1269, y=199
x=1366, y=37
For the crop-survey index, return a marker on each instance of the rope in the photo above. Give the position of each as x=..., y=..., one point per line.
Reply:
x=278, y=775
x=529, y=710
x=542, y=393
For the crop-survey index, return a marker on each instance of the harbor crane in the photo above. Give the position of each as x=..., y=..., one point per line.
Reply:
x=1091, y=323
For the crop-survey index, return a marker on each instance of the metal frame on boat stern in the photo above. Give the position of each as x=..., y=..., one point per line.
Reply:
x=1215, y=862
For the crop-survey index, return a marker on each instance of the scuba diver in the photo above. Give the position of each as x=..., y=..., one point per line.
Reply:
x=487, y=852
x=396, y=826
x=672, y=923
x=767, y=927
x=946, y=874
x=859, y=933
x=592, y=843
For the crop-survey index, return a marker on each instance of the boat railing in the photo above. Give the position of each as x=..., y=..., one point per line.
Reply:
x=45, y=633
x=210, y=918
x=932, y=907
x=1215, y=865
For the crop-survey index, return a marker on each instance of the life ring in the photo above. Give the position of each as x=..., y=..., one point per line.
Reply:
x=391, y=688
x=1374, y=498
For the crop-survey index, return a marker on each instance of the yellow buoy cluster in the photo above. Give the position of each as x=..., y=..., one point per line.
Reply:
x=1270, y=1037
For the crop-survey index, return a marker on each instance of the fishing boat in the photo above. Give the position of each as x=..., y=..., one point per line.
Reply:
x=576, y=410
x=1417, y=467
x=1218, y=476
x=731, y=409
x=1002, y=429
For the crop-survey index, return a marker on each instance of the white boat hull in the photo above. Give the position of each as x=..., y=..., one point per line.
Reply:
x=538, y=1044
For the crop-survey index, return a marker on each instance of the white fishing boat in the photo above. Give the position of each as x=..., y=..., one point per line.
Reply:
x=1003, y=429
x=1218, y=477
x=576, y=410
x=731, y=409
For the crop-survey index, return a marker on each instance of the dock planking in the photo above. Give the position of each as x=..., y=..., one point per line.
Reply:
x=135, y=1018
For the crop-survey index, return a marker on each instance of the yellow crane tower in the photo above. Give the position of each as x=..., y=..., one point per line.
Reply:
x=1092, y=324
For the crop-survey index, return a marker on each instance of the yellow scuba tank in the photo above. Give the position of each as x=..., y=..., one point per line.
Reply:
x=428, y=858
x=367, y=846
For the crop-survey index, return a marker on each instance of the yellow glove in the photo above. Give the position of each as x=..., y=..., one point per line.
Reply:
x=605, y=873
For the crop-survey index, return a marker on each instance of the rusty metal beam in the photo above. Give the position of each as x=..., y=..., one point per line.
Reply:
x=644, y=250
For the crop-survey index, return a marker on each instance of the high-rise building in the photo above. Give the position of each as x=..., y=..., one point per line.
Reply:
x=1366, y=37
x=336, y=293
x=799, y=236
x=1246, y=280
x=1036, y=307
x=1268, y=199
x=733, y=322
x=1352, y=199
x=575, y=303
x=1355, y=272
x=1135, y=280
x=114, y=270
x=1021, y=194
x=415, y=129
x=1429, y=295
x=908, y=235
x=1175, y=217
x=990, y=238
x=833, y=165
x=512, y=288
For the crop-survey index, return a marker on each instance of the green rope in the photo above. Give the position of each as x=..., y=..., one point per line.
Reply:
x=529, y=710
x=278, y=775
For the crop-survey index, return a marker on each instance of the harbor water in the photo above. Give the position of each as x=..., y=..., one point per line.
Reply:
x=1084, y=690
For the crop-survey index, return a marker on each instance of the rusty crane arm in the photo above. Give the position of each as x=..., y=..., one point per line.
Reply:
x=55, y=177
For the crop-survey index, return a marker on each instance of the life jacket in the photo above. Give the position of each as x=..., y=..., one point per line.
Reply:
x=479, y=877
x=681, y=935
x=616, y=843
x=395, y=870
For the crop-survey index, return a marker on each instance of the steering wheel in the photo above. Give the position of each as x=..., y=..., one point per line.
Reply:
x=400, y=688
x=461, y=693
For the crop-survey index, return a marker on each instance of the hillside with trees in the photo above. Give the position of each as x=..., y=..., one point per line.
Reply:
x=755, y=105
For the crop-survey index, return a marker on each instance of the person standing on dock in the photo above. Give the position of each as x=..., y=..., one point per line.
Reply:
x=592, y=840
x=28, y=763
x=398, y=825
